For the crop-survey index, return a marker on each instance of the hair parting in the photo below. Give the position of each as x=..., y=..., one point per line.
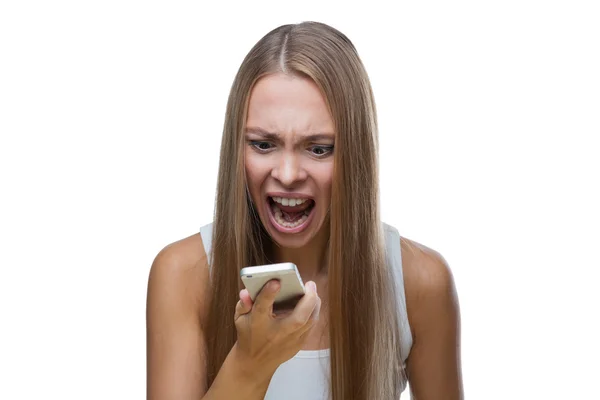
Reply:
x=366, y=361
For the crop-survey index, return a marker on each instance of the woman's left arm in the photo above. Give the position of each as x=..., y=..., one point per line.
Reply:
x=434, y=363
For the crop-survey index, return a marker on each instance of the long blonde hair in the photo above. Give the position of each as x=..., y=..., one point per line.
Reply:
x=363, y=318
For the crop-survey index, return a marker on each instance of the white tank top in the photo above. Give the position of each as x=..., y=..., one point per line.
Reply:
x=306, y=375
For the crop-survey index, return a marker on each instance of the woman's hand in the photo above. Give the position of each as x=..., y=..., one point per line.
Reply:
x=266, y=339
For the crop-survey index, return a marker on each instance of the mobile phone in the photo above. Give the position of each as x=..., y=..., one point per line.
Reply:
x=292, y=288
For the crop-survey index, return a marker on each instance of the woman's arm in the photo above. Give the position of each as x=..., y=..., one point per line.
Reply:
x=177, y=295
x=434, y=364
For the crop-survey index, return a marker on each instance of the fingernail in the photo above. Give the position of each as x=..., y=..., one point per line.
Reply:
x=313, y=286
x=274, y=285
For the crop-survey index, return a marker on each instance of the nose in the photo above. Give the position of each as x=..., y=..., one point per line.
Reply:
x=289, y=170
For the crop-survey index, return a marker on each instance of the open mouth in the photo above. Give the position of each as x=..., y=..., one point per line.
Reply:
x=290, y=215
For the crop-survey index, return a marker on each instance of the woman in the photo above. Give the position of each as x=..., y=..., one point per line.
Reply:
x=298, y=182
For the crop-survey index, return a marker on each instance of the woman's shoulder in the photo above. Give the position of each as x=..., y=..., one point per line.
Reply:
x=179, y=273
x=183, y=253
x=422, y=262
x=175, y=310
x=428, y=283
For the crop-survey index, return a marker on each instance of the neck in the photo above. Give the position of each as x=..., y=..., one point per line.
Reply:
x=310, y=259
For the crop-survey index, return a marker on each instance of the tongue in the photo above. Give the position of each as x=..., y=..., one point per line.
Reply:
x=292, y=216
x=292, y=213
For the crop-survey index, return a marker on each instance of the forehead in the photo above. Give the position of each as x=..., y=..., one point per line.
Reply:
x=288, y=104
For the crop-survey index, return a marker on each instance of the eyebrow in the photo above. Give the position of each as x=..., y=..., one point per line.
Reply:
x=275, y=136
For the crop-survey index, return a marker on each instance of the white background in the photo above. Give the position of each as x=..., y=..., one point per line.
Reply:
x=111, y=116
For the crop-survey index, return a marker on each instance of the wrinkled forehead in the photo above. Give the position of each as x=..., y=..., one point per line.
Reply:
x=288, y=105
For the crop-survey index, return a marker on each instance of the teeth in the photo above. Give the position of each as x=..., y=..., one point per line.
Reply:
x=279, y=218
x=287, y=201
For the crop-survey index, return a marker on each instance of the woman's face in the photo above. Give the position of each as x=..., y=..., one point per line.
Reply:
x=289, y=143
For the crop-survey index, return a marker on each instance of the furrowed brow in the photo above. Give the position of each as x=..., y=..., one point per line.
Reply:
x=319, y=136
x=275, y=136
x=263, y=133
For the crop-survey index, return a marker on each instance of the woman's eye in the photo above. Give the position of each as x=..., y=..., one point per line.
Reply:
x=321, y=150
x=262, y=146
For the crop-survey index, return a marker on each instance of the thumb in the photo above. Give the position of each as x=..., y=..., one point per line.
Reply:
x=246, y=299
x=244, y=305
x=263, y=303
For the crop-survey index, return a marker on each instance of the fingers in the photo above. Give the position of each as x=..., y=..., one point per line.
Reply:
x=246, y=299
x=263, y=304
x=317, y=310
x=244, y=305
x=306, y=310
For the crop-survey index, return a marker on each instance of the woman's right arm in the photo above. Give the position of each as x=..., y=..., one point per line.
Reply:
x=174, y=338
x=176, y=302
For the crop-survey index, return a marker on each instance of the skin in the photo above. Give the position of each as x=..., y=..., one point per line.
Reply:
x=293, y=108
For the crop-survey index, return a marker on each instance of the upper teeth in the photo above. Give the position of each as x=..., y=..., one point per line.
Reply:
x=288, y=202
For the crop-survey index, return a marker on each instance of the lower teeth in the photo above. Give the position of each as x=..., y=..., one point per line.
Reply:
x=283, y=222
x=279, y=218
